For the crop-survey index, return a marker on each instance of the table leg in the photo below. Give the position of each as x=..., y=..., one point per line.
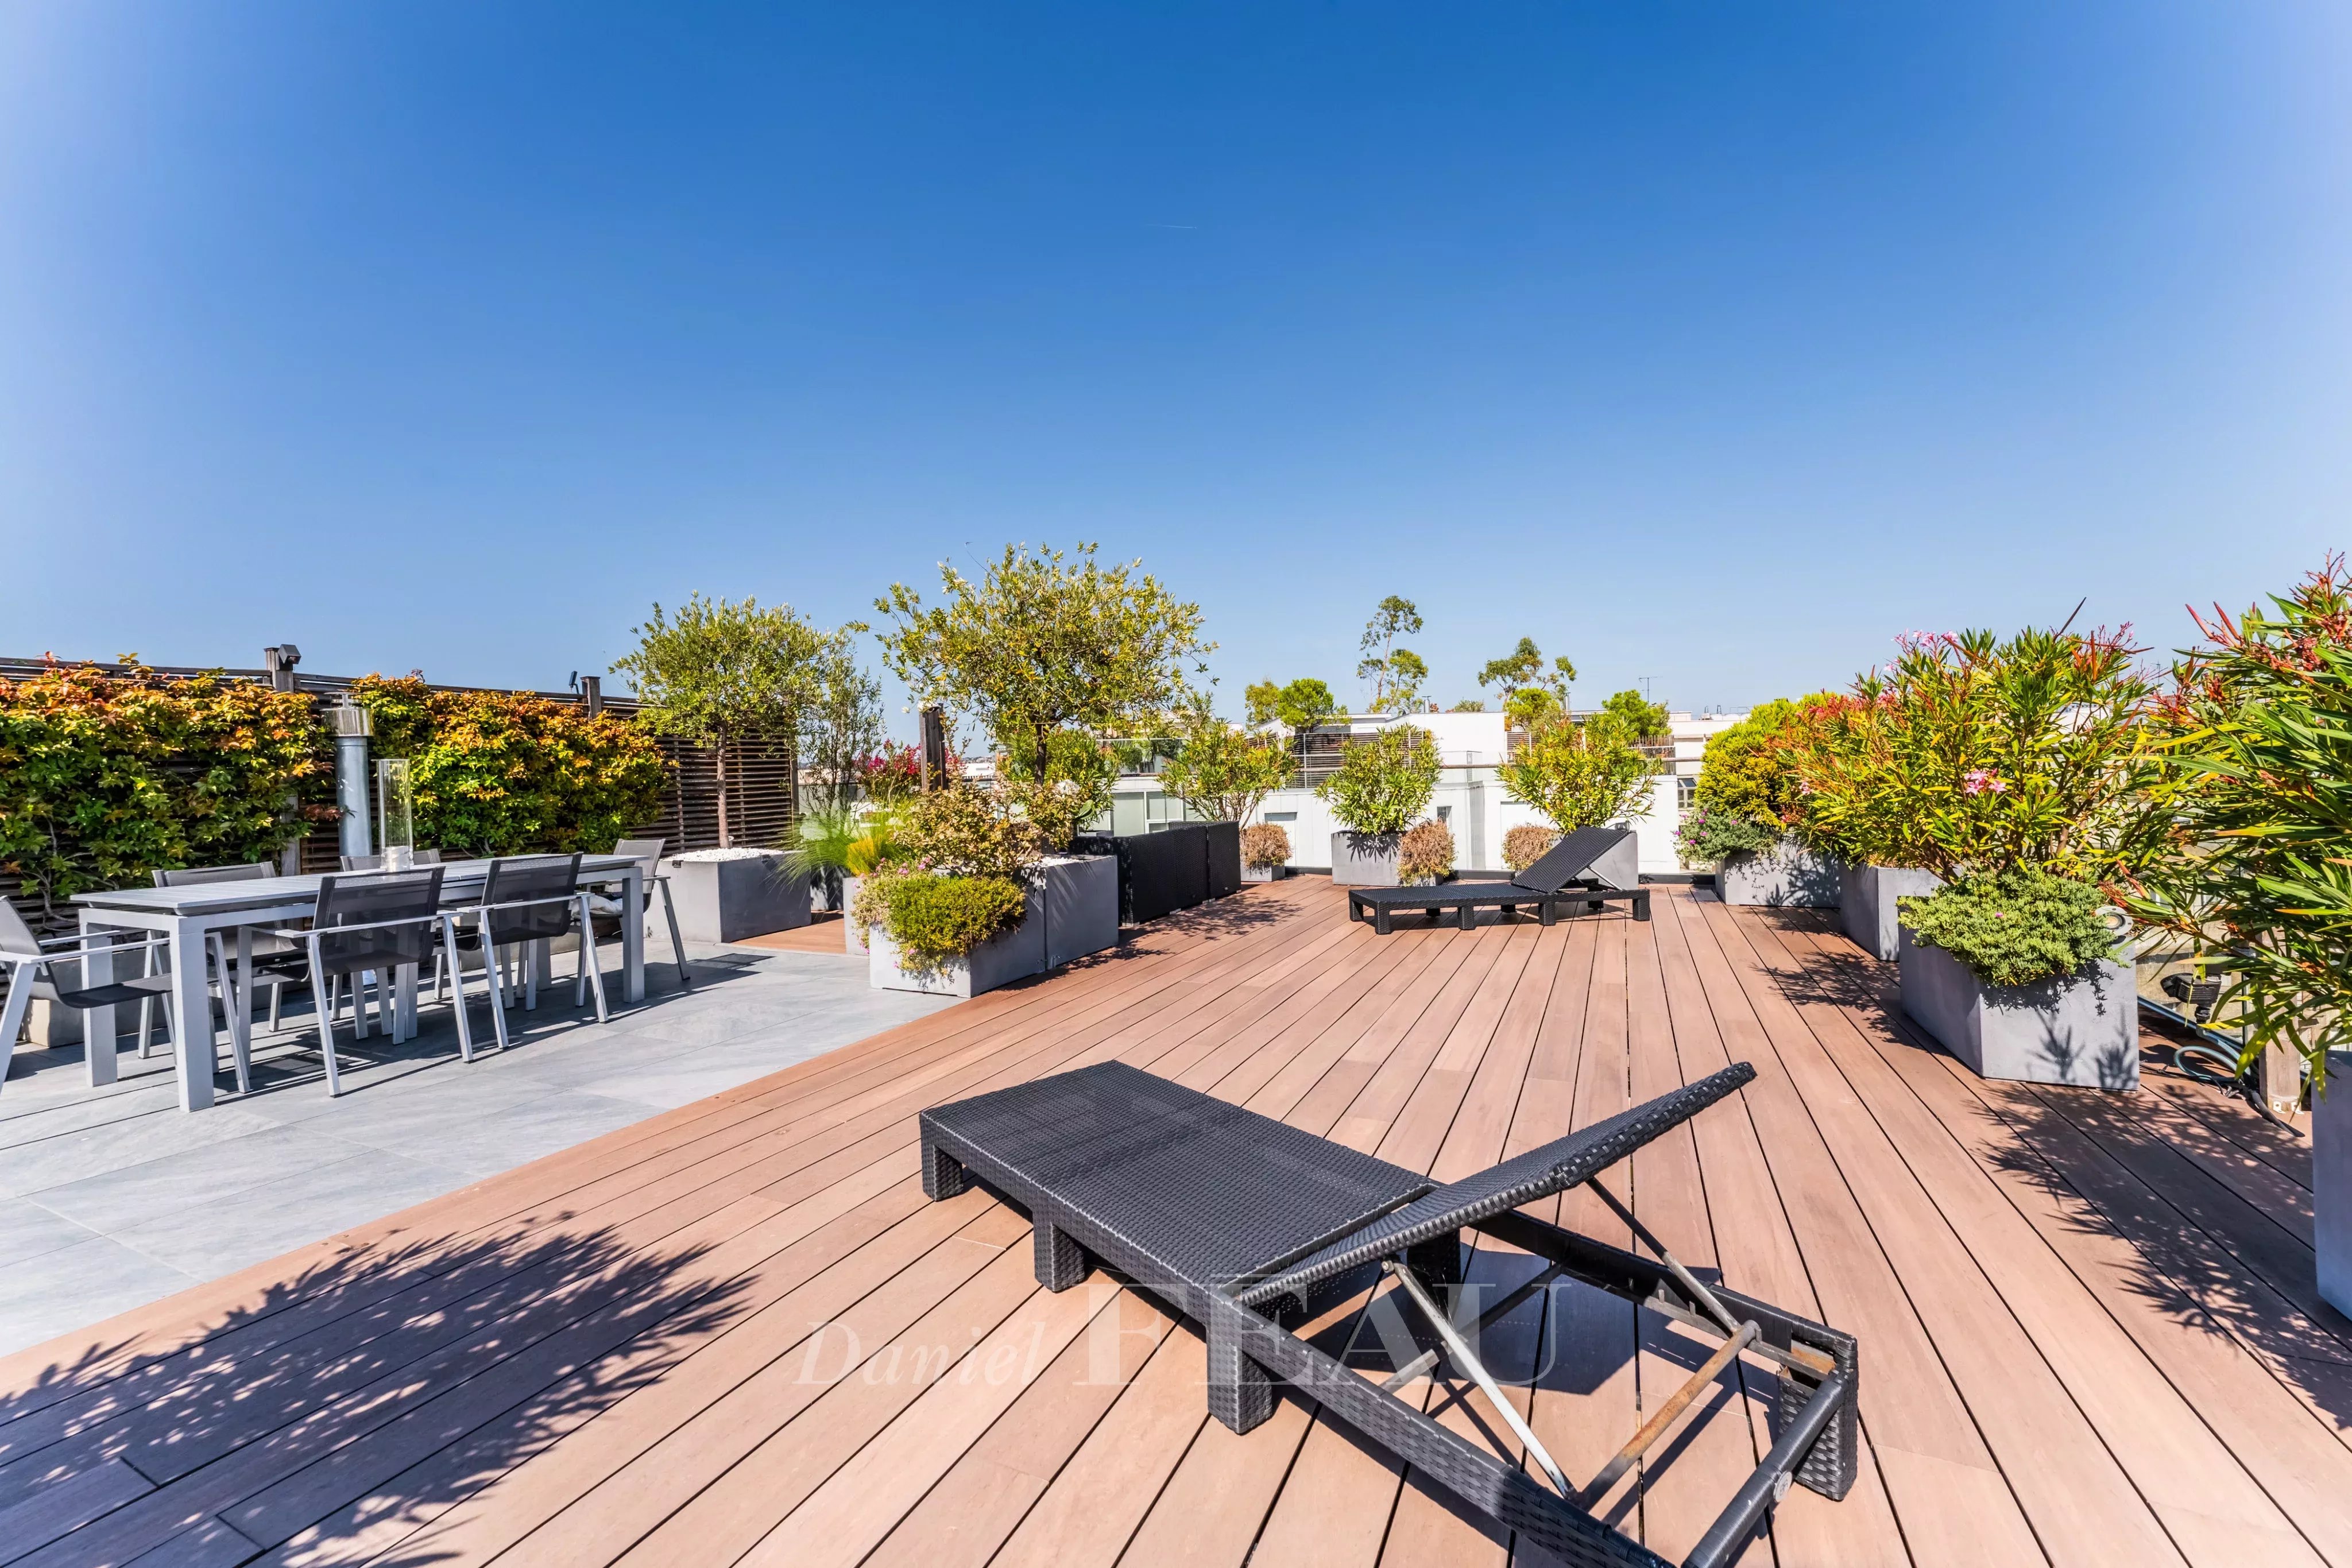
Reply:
x=192, y=1016
x=98, y=1023
x=633, y=935
x=240, y=1001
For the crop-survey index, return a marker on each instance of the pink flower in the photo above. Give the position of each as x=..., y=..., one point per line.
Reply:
x=1981, y=779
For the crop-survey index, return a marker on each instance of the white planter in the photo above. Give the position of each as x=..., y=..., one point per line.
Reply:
x=1264, y=872
x=1080, y=893
x=1789, y=877
x=999, y=961
x=1866, y=895
x=853, y=935
x=2331, y=1182
x=727, y=900
x=2078, y=1030
x=1364, y=859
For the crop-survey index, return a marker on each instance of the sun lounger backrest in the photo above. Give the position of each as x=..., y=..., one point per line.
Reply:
x=1538, y=1173
x=1568, y=859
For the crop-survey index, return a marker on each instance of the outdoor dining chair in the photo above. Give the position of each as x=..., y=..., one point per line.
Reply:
x=380, y=924
x=277, y=962
x=37, y=973
x=525, y=901
x=606, y=904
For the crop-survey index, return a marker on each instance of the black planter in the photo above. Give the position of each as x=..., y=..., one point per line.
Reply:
x=1183, y=865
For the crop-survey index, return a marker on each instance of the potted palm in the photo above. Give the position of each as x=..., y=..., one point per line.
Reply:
x=2020, y=764
x=2242, y=854
x=1383, y=786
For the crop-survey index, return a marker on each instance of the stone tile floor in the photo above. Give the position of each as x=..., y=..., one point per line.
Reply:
x=114, y=1197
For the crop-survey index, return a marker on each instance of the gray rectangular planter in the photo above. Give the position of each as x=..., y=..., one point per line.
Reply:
x=2331, y=1182
x=2078, y=1030
x=1364, y=859
x=1264, y=872
x=1081, y=899
x=853, y=935
x=1866, y=895
x=999, y=961
x=1789, y=877
x=726, y=901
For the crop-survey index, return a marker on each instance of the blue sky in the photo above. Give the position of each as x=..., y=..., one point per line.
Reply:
x=1712, y=344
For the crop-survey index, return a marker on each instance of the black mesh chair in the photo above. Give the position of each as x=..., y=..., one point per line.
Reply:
x=41, y=969
x=372, y=924
x=277, y=962
x=526, y=902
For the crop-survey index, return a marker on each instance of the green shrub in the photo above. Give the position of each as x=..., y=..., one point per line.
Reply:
x=959, y=831
x=1581, y=773
x=935, y=919
x=1383, y=783
x=1525, y=844
x=2014, y=927
x=1425, y=853
x=501, y=773
x=1747, y=773
x=1705, y=837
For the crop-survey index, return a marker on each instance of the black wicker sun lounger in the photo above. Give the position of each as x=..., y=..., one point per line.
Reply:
x=1585, y=869
x=1248, y=1225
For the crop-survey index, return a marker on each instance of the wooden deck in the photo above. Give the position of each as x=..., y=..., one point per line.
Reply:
x=737, y=1333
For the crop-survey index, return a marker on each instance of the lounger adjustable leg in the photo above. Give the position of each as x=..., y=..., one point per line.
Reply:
x=1061, y=1262
x=943, y=1175
x=1240, y=1392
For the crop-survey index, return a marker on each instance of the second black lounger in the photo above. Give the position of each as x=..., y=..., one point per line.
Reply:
x=1586, y=869
x=1243, y=1223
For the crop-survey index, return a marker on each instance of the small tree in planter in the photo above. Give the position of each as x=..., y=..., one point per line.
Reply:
x=1224, y=773
x=1746, y=797
x=1265, y=850
x=2023, y=762
x=2243, y=840
x=1383, y=786
x=1425, y=854
x=1581, y=773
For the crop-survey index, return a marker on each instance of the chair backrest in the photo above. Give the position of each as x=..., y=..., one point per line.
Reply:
x=525, y=882
x=1568, y=859
x=645, y=851
x=413, y=896
x=375, y=863
x=15, y=936
x=198, y=875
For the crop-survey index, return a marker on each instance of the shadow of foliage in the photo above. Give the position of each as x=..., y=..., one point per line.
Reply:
x=346, y=1403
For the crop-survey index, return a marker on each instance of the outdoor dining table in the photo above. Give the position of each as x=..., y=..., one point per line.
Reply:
x=188, y=916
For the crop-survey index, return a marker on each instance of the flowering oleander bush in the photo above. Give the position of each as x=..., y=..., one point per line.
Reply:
x=894, y=775
x=107, y=775
x=1265, y=844
x=1525, y=844
x=2245, y=840
x=499, y=773
x=1705, y=837
x=1425, y=853
x=2013, y=927
x=1384, y=782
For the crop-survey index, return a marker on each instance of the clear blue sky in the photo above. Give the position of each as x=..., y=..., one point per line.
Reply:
x=1710, y=343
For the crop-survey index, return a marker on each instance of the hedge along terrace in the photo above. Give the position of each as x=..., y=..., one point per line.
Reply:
x=502, y=773
x=107, y=774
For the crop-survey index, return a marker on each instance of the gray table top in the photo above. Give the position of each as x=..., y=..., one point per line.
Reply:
x=276, y=892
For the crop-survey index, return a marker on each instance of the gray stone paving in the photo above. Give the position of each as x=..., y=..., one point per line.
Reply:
x=113, y=1197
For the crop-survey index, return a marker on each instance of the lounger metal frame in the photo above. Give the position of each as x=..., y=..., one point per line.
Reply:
x=1250, y=1317
x=1379, y=904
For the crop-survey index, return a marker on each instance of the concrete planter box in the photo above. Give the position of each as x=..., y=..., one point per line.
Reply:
x=1264, y=872
x=1783, y=878
x=726, y=901
x=1080, y=893
x=1364, y=859
x=999, y=961
x=2331, y=1182
x=853, y=935
x=1866, y=895
x=2079, y=1029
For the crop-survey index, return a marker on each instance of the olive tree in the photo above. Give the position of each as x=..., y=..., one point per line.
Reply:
x=1043, y=642
x=1220, y=771
x=723, y=672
